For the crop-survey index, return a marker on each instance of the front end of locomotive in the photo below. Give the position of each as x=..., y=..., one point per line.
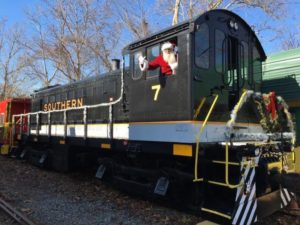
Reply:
x=248, y=175
x=244, y=143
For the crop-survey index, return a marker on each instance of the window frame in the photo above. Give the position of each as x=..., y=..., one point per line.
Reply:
x=147, y=57
x=134, y=55
x=215, y=49
x=206, y=51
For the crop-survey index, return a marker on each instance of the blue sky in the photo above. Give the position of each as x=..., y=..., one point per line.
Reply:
x=13, y=11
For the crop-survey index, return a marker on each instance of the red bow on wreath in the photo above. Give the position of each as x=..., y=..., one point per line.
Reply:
x=271, y=106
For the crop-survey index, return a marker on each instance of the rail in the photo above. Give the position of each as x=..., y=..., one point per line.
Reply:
x=14, y=213
x=196, y=179
x=227, y=163
x=199, y=108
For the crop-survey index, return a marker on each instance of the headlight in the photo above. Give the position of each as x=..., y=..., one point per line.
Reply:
x=236, y=26
x=231, y=24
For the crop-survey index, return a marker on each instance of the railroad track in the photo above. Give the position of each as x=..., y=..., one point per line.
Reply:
x=14, y=213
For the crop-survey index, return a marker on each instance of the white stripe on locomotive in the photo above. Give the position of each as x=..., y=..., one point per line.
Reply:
x=182, y=132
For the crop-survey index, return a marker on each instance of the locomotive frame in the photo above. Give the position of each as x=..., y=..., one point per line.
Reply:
x=148, y=142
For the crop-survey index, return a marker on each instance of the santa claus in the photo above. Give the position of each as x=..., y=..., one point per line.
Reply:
x=167, y=61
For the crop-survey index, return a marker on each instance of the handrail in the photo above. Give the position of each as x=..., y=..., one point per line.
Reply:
x=199, y=108
x=236, y=109
x=227, y=163
x=196, y=179
x=227, y=170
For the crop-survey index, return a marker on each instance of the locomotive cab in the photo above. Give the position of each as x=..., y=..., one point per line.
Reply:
x=217, y=53
x=166, y=98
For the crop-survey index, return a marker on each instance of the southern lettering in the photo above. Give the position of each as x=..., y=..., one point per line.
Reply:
x=73, y=103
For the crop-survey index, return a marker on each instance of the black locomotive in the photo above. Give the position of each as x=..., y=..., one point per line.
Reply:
x=195, y=136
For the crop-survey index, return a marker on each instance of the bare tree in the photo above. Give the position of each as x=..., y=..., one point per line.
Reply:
x=291, y=39
x=73, y=37
x=176, y=12
x=134, y=15
x=11, y=63
x=190, y=8
x=40, y=66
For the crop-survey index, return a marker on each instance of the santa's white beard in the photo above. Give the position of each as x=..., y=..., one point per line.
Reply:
x=169, y=57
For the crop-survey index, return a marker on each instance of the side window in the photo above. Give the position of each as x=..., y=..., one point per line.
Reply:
x=137, y=73
x=220, y=51
x=152, y=53
x=202, y=46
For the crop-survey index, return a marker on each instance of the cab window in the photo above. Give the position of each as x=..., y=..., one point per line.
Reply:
x=137, y=73
x=152, y=53
x=220, y=51
x=202, y=46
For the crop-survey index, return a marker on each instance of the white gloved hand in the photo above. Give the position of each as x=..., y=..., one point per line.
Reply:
x=174, y=67
x=143, y=63
x=142, y=59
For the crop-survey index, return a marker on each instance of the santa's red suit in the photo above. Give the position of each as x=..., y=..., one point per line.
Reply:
x=159, y=61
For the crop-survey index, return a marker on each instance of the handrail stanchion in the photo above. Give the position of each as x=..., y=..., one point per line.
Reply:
x=65, y=124
x=28, y=124
x=196, y=179
x=21, y=125
x=85, y=122
x=13, y=130
x=110, y=122
x=37, y=124
x=49, y=124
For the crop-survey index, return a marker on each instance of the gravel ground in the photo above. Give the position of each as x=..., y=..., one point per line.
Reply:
x=77, y=199
x=52, y=198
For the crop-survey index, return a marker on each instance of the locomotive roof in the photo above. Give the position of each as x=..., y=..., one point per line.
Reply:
x=85, y=80
x=189, y=26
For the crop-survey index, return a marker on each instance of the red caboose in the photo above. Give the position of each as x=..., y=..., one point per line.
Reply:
x=8, y=108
